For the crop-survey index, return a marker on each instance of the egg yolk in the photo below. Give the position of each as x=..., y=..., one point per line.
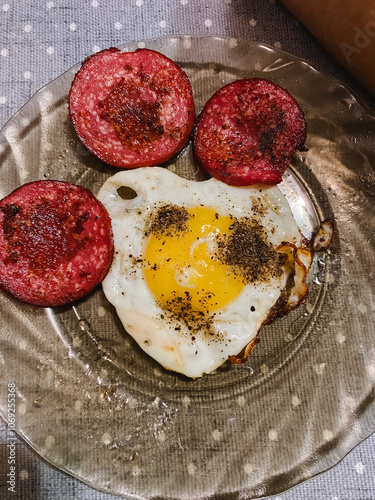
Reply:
x=182, y=269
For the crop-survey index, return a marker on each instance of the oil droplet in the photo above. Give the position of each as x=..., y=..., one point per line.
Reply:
x=321, y=263
x=249, y=369
x=46, y=175
x=38, y=401
x=106, y=438
x=83, y=325
x=110, y=354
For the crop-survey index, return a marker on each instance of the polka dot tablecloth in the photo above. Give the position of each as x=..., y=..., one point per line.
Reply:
x=40, y=40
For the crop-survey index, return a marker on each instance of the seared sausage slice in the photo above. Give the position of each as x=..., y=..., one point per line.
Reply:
x=132, y=109
x=248, y=131
x=56, y=243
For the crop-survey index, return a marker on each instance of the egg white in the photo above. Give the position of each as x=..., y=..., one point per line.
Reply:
x=171, y=342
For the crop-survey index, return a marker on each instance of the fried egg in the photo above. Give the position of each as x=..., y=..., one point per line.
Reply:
x=199, y=267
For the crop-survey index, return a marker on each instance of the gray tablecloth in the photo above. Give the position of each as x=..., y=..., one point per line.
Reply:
x=41, y=39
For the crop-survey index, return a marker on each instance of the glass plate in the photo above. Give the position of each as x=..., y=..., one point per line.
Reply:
x=90, y=401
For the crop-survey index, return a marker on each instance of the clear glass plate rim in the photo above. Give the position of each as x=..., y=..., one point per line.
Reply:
x=255, y=44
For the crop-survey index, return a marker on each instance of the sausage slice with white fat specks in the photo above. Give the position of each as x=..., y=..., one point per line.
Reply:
x=132, y=109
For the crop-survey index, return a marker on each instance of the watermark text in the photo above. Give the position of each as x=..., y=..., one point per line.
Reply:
x=361, y=39
x=11, y=438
